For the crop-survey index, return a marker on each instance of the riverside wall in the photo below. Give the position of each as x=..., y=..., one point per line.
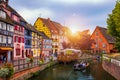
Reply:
x=23, y=75
x=112, y=68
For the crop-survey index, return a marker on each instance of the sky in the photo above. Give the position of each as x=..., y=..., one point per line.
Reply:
x=76, y=14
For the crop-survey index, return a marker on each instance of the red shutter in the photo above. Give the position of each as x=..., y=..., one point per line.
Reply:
x=15, y=27
x=23, y=40
x=22, y=29
x=15, y=39
x=19, y=39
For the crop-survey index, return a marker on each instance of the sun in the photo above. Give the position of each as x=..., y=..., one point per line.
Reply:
x=73, y=30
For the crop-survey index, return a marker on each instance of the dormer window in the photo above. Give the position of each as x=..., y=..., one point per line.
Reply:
x=2, y=14
x=15, y=18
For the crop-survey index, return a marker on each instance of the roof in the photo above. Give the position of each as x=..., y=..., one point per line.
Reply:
x=58, y=25
x=48, y=23
x=108, y=37
x=30, y=27
x=15, y=12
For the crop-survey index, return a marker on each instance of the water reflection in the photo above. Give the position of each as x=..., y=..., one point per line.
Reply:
x=66, y=72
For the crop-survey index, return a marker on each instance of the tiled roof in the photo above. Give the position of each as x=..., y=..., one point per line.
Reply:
x=48, y=23
x=30, y=27
x=108, y=37
x=58, y=25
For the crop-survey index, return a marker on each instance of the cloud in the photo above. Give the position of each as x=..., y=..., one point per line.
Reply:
x=81, y=1
x=32, y=14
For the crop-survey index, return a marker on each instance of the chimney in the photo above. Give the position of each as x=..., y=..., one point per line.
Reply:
x=48, y=19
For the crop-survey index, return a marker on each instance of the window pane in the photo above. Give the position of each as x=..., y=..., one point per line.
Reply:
x=0, y=38
x=9, y=40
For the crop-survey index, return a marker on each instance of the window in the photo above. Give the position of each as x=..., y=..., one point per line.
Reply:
x=17, y=52
x=0, y=38
x=3, y=39
x=10, y=28
x=104, y=51
x=2, y=14
x=2, y=25
x=19, y=39
x=96, y=33
x=9, y=40
x=103, y=45
x=96, y=46
x=15, y=18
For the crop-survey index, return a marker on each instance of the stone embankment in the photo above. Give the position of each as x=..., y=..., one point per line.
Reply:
x=111, y=64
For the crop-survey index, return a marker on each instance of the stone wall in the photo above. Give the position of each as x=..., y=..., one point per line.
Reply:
x=112, y=69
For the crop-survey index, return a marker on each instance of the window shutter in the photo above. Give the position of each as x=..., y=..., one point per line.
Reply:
x=23, y=40
x=19, y=39
x=22, y=29
x=15, y=39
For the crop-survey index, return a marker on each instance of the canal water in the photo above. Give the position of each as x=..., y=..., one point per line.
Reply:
x=66, y=72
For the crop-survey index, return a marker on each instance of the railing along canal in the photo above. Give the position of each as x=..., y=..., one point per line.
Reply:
x=22, y=64
x=111, y=64
x=114, y=61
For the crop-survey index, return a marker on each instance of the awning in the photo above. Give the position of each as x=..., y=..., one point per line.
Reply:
x=3, y=48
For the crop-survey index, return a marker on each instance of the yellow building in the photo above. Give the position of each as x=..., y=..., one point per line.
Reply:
x=48, y=27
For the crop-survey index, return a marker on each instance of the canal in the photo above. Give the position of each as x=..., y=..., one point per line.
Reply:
x=66, y=72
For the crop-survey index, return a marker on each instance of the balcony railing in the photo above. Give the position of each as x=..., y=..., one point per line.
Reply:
x=6, y=45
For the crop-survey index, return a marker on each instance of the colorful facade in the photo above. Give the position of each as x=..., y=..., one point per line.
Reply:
x=34, y=43
x=6, y=36
x=40, y=26
x=28, y=40
x=46, y=37
x=102, y=42
x=51, y=29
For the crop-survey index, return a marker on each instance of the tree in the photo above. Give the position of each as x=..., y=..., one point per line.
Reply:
x=113, y=24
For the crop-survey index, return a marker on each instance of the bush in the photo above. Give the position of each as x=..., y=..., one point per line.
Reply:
x=4, y=72
x=7, y=70
x=30, y=59
x=40, y=62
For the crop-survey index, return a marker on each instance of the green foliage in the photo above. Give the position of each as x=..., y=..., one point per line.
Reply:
x=108, y=59
x=30, y=59
x=51, y=58
x=6, y=70
x=113, y=24
x=40, y=62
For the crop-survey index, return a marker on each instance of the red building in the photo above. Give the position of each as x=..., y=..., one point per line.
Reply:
x=102, y=41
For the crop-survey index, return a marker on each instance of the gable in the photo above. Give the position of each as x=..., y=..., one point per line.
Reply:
x=40, y=26
x=97, y=35
x=102, y=33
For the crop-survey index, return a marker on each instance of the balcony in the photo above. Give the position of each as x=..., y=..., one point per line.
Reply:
x=6, y=45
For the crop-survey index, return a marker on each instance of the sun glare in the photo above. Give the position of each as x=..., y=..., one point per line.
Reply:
x=74, y=29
